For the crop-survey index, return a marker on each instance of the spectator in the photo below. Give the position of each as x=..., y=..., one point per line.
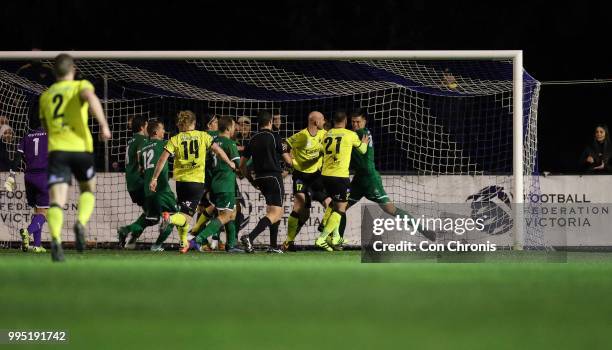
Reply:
x=6, y=143
x=596, y=157
x=243, y=132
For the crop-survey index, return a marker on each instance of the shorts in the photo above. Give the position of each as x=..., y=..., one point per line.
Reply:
x=224, y=200
x=138, y=196
x=37, y=192
x=311, y=184
x=369, y=186
x=205, y=200
x=271, y=188
x=62, y=165
x=337, y=187
x=188, y=196
x=159, y=202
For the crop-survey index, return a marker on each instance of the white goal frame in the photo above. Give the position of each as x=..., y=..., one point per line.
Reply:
x=517, y=76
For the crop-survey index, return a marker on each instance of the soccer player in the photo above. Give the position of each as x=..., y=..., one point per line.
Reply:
x=63, y=111
x=305, y=148
x=189, y=148
x=162, y=200
x=33, y=149
x=265, y=148
x=134, y=181
x=223, y=188
x=337, y=147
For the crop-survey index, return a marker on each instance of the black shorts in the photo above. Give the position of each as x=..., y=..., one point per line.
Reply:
x=138, y=197
x=271, y=188
x=338, y=188
x=205, y=200
x=311, y=184
x=62, y=165
x=188, y=195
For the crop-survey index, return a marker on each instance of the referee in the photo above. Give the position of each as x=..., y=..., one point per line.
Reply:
x=266, y=148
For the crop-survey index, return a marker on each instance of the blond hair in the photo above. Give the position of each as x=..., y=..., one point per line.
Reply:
x=185, y=119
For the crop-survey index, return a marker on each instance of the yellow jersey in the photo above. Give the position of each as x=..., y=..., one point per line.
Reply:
x=189, y=149
x=336, y=147
x=306, y=150
x=64, y=116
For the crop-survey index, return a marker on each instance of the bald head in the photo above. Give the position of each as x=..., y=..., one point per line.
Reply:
x=316, y=119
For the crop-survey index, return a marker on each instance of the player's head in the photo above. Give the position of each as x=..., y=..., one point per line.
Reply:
x=155, y=130
x=64, y=67
x=212, y=122
x=139, y=124
x=358, y=119
x=264, y=120
x=186, y=121
x=601, y=133
x=227, y=126
x=276, y=121
x=317, y=119
x=340, y=119
x=244, y=127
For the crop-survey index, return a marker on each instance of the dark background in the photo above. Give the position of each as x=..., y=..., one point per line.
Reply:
x=561, y=41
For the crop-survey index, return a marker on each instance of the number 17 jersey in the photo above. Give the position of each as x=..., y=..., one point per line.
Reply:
x=189, y=149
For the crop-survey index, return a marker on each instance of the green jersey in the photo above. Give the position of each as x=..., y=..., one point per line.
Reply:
x=209, y=158
x=149, y=154
x=223, y=177
x=363, y=164
x=133, y=177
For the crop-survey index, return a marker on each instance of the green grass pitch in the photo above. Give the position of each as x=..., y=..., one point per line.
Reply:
x=307, y=300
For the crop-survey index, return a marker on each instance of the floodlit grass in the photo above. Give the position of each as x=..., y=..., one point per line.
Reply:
x=308, y=300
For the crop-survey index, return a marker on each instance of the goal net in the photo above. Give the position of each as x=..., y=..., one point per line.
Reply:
x=442, y=130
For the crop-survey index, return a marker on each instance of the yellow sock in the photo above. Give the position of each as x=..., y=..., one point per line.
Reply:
x=326, y=215
x=292, y=225
x=200, y=223
x=178, y=220
x=332, y=224
x=182, y=233
x=55, y=218
x=87, y=201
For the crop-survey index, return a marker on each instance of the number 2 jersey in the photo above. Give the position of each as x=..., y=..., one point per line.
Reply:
x=189, y=149
x=337, y=147
x=65, y=116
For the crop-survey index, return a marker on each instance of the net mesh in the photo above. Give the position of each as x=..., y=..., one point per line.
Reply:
x=442, y=130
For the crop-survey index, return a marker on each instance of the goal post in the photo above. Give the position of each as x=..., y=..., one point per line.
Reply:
x=519, y=170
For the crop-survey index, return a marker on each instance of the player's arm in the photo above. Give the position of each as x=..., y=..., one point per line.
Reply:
x=283, y=150
x=161, y=162
x=361, y=145
x=221, y=154
x=88, y=95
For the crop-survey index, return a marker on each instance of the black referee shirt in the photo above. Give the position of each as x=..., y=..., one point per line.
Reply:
x=266, y=149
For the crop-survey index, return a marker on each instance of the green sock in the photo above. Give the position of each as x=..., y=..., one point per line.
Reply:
x=138, y=226
x=55, y=218
x=332, y=224
x=87, y=201
x=164, y=235
x=213, y=227
x=230, y=232
x=292, y=226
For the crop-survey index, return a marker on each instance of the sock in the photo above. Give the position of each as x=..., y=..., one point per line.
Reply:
x=332, y=224
x=35, y=228
x=342, y=226
x=292, y=226
x=182, y=233
x=230, y=232
x=87, y=201
x=202, y=219
x=238, y=222
x=261, y=225
x=212, y=228
x=326, y=215
x=401, y=213
x=164, y=235
x=178, y=220
x=138, y=226
x=55, y=217
x=274, y=234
